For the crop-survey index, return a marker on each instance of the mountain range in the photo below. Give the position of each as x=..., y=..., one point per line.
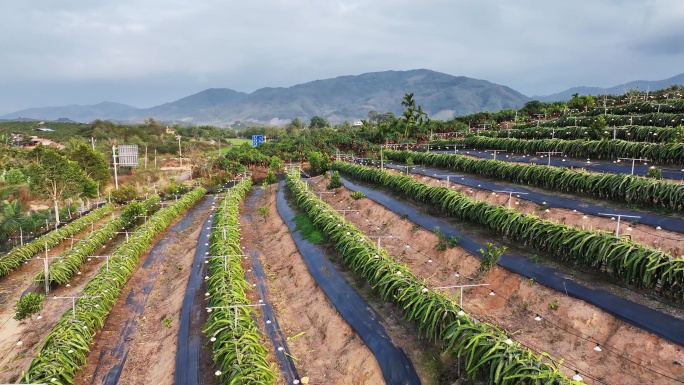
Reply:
x=349, y=98
x=641, y=85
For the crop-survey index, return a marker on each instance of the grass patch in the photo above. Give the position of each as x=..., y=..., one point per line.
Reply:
x=309, y=231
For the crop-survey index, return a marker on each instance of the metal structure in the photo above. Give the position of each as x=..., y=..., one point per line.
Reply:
x=128, y=155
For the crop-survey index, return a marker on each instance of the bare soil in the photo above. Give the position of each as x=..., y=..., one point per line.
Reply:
x=17, y=358
x=668, y=241
x=643, y=234
x=152, y=348
x=325, y=348
x=569, y=329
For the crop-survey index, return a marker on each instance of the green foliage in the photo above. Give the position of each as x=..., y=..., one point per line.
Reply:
x=553, y=305
x=15, y=177
x=133, y=213
x=445, y=242
x=490, y=257
x=10, y=218
x=597, y=127
x=66, y=346
x=318, y=122
x=483, y=348
x=270, y=177
x=55, y=176
x=239, y=355
x=124, y=194
x=28, y=305
x=167, y=322
x=16, y=257
x=617, y=187
x=263, y=211
x=356, y=195
x=319, y=162
x=414, y=119
x=335, y=181
x=654, y=173
x=618, y=257
x=175, y=188
x=308, y=229
x=92, y=162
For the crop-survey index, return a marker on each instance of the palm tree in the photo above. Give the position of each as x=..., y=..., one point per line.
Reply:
x=10, y=218
x=413, y=116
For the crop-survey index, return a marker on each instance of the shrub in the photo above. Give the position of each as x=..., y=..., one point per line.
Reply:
x=132, y=213
x=270, y=177
x=14, y=177
x=357, y=195
x=124, y=194
x=490, y=256
x=445, y=242
x=655, y=173
x=335, y=181
x=28, y=305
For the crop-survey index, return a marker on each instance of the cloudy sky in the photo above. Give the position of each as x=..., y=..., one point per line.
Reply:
x=147, y=52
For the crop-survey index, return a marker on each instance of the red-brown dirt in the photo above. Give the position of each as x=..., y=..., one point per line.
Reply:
x=569, y=329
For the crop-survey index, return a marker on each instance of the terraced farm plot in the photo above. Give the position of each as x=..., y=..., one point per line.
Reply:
x=519, y=301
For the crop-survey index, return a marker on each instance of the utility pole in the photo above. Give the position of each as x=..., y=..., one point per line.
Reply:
x=180, y=153
x=116, y=177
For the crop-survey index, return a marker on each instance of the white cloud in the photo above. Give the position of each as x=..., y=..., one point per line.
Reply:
x=154, y=46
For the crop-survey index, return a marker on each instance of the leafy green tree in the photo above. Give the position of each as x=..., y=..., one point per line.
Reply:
x=533, y=107
x=318, y=122
x=275, y=163
x=581, y=102
x=319, y=162
x=298, y=124
x=55, y=177
x=92, y=162
x=133, y=213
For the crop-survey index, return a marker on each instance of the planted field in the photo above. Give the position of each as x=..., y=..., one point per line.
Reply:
x=567, y=328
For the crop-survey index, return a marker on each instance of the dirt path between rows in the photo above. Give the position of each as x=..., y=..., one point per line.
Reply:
x=569, y=328
x=16, y=358
x=138, y=342
x=669, y=241
x=587, y=276
x=325, y=348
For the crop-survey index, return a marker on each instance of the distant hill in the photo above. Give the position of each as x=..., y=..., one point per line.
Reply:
x=641, y=85
x=74, y=112
x=350, y=98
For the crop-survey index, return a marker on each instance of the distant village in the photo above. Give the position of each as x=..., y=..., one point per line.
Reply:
x=30, y=142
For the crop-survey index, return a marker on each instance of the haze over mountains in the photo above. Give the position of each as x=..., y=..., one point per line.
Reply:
x=349, y=98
